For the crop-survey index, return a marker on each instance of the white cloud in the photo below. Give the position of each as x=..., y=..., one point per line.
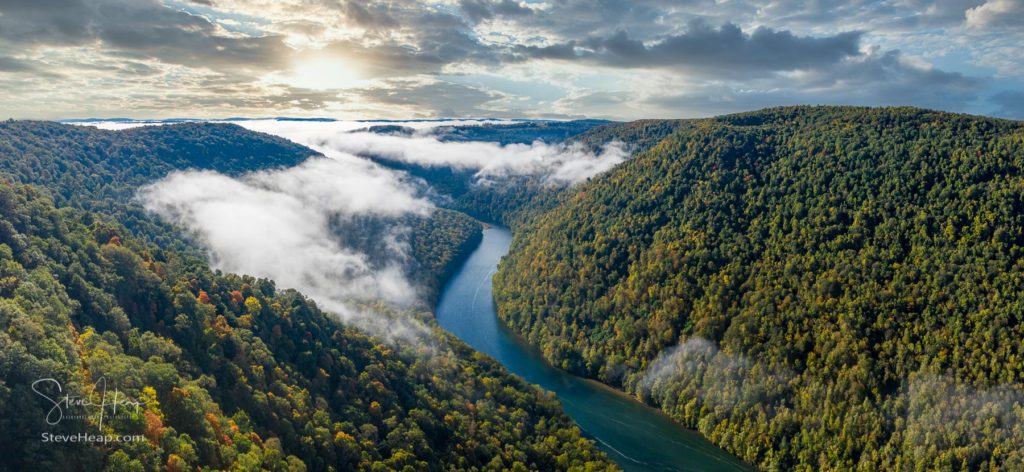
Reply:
x=718, y=378
x=309, y=133
x=997, y=13
x=565, y=163
x=388, y=59
x=560, y=163
x=288, y=225
x=297, y=226
x=945, y=413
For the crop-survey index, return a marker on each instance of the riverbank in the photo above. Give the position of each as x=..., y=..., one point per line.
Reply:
x=637, y=436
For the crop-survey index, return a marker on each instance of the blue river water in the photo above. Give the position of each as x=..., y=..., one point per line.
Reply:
x=635, y=436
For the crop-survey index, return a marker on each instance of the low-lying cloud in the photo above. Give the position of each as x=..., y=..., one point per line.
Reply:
x=945, y=414
x=717, y=378
x=337, y=228
x=927, y=413
x=287, y=225
x=557, y=163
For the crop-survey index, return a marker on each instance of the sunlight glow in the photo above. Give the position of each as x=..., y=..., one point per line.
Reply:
x=323, y=73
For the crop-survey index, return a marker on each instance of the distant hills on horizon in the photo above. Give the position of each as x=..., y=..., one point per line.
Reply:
x=321, y=119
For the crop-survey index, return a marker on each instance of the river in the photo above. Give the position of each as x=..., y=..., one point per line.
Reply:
x=635, y=436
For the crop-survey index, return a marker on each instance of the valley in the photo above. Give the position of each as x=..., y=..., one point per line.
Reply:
x=723, y=279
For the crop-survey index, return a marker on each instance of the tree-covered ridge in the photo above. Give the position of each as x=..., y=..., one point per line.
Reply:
x=233, y=373
x=856, y=274
x=512, y=200
x=525, y=132
x=100, y=170
x=638, y=135
x=282, y=385
x=440, y=243
x=520, y=132
x=82, y=160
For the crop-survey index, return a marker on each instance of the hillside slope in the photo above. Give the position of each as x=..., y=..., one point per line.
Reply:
x=101, y=171
x=230, y=372
x=810, y=287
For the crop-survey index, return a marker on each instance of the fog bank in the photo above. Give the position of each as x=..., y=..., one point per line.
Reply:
x=558, y=163
x=284, y=225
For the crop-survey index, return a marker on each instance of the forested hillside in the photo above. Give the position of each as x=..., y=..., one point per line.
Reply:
x=229, y=371
x=234, y=373
x=519, y=132
x=101, y=171
x=440, y=245
x=638, y=136
x=524, y=132
x=812, y=288
x=513, y=200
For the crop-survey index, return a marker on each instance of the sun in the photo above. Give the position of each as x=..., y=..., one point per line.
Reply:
x=323, y=73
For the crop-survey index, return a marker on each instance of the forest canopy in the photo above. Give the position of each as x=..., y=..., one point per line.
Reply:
x=230, y=371
x=810, y=287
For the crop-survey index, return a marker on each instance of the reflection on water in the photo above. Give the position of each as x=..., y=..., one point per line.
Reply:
x=637, y=437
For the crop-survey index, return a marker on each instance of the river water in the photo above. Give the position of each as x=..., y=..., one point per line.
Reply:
x=637, y=437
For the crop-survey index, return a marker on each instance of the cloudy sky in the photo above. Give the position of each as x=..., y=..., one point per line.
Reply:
x=618, y=59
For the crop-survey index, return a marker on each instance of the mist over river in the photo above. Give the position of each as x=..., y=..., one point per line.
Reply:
x=637, y=437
